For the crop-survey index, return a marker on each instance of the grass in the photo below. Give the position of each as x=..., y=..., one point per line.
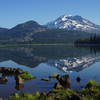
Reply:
x=24, y=96
x=38, y=96
x=92, y=84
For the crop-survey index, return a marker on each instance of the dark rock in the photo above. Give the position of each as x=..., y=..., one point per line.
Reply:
x=1, y=98
x=74, y=97
x=58, y=86
x=8, y=70
x=63, y=82
x=19, y=80
x=78, y=79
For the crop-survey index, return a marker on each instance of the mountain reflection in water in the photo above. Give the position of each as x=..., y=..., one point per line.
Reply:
x=73, y=64
x=44, y=61
x=31, y=56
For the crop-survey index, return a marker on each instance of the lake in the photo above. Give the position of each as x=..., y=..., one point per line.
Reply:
x=42, y=61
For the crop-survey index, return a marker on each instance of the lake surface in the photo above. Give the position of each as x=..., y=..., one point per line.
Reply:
x=38, y=61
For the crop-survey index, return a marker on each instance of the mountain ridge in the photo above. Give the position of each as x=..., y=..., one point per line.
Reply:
x=33, y=32
x=67, y=22
x=3, y=29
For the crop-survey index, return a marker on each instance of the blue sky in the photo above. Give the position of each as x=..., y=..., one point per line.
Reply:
x=13, y=12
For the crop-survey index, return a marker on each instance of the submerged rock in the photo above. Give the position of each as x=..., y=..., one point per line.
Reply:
x=3, y=80
x=19, y=86
x=19, y=75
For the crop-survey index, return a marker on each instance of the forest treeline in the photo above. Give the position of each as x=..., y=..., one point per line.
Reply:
x=93, y=39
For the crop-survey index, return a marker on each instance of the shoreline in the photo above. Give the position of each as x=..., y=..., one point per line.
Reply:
x=15, y=45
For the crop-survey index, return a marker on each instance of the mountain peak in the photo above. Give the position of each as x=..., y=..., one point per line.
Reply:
x=30, y=23
x=76, y=22
x=64, y=17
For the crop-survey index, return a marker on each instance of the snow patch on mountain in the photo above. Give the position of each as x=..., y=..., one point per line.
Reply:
x=70, y=22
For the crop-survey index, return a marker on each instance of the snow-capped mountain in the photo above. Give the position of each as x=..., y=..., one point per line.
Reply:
x=70, y=22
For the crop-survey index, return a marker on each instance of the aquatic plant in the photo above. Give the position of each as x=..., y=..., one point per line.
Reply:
x=27, y=76
x=54, y=75
x=45, y=79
